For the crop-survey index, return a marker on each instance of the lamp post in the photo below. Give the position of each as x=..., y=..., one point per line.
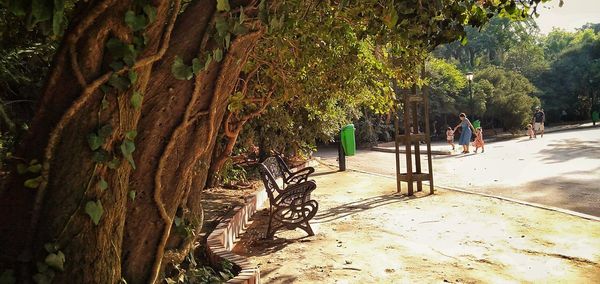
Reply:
x=470, y=79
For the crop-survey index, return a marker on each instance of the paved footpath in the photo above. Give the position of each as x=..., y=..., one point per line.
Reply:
x=562, y=169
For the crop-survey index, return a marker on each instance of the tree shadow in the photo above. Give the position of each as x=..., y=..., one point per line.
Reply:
x=351, y=208
x=569, y=149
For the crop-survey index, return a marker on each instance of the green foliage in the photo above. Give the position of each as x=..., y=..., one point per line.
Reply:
x=56, y=260
x=8, y=277
x=95, y=210
x=102, y=184
x=180, y=70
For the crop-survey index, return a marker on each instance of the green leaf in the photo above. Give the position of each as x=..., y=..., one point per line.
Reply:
x=56, y=260
x=41, y=267
x=40, y=278
x=150, y=12
x=102, y=184
x=114, y=163
x=196, y=66
x=132, y=76
x=180, y=70
x=130, y=135
x=127, y=148
x=136, y=100
x=178, y=221
x=208, y=61
x=21, y=168
x=57, y=17
x=105, y=131
x=221, y=25
x=239, y=29
x=135, y=22
x=94, y=141
x=105, y=88
x=132, y=195
x=242, y=15
x=51, y=247
x=118, y=82
x=218, y=54
x=100, y=156
x=94, y=210
x=7, y=277
x=227, y=40
x=104, y=104
x=223, y=5
x=116, y=65
x=33, y=182
x=34, y=168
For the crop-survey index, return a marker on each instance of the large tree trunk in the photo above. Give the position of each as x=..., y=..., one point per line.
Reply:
x=176, y=131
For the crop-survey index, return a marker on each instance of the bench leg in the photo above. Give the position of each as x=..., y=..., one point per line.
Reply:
x=307, y=228
x=269, y=233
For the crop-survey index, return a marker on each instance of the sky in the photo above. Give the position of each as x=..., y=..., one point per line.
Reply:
x=573, y=14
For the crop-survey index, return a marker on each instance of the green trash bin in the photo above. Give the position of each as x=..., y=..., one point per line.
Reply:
x=595, y=116
x=476, y=124
x=347, y=137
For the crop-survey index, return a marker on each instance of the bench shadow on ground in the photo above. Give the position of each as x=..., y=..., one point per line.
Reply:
x=253, y=242
x=569, y=149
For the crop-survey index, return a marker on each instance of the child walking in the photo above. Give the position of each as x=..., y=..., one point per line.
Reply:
x=530, y=131
x=450, y=137
x=479, y=140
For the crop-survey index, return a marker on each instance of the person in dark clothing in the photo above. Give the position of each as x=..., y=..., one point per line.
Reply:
x=538, y=122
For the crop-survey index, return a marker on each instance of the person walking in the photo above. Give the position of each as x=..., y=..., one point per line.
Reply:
x=450, y=137
x=479, y=140
x=538, y=122
x=465, y=135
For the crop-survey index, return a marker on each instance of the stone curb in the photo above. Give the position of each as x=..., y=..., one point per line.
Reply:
x=526, y=203
x=424, y=151
x=222, y=239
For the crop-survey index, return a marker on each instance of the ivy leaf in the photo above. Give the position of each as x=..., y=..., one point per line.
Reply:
x=127, y=148
x=208, y=61
x=34, y=168
x=100, y=156
x=218, y=54
x=105, y=89
x=57, y=17
x=130, y=135
x=227, y=41
x=51, y=247
x=223, y=5
x=150, y=11
x=118, y=82
x=21, y=168
x=135, y=22
x=196, y=66
x=242, y=15
x=221, y=25
x=180, y=70
x=8, y=277
x=114, y=163
x=132, y=195
x=33, y=182
x=132, y=76
x=94, y=141
x=102, y=184
x=94, y=210
x=239, y=29
x=56, y=260
x=178, y=221
x=136, y=100
x=116, y=65
x=105, y=131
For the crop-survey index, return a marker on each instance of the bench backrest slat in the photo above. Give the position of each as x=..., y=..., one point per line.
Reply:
x=269, y=171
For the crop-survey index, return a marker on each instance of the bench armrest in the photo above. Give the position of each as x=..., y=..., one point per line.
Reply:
x=295, y=194
x=299, y=176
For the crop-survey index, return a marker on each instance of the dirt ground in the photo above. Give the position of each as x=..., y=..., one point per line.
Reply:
x=365, y=233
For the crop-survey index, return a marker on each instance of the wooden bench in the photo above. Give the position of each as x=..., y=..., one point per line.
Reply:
x=290, y=207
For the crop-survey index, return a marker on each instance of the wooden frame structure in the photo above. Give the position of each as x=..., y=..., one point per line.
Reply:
x=413, y=102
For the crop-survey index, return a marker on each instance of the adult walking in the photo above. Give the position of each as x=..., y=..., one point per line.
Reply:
x=466, y=133
x=538, y=122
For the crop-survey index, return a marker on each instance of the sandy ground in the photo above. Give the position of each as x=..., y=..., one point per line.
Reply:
x=368, y=234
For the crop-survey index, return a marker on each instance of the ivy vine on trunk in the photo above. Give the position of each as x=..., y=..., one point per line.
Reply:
x=124, y=144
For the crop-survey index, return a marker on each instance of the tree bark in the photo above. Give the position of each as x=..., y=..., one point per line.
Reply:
x=176, y=131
